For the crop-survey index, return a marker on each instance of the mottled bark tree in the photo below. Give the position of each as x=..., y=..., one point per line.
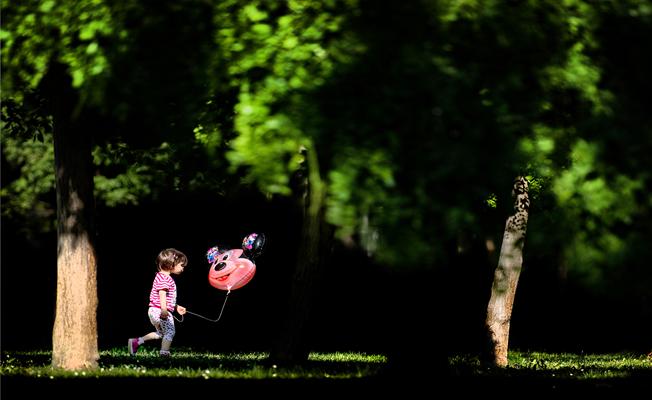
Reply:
x=510, y=262
x=74, y=337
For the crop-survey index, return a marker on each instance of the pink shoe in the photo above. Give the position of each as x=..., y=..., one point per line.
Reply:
x=132, y=346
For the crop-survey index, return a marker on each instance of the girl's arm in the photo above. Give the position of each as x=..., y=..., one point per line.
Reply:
x=162, y=294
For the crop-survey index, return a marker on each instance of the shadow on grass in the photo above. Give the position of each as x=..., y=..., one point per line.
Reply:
x=318, y=377
x=508, y=387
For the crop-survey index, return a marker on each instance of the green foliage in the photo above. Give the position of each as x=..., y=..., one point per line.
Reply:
x=419, y=114
x=124, y=177
x=29, y=195
x=36, y=33
x=91, y=40
x=569, y=150
x=539, y=147
x=355, y=183
x=585, y=185
x=127, y=175
x=492, y=200
x=515, y=85
x=276, y=52
x=596, y=200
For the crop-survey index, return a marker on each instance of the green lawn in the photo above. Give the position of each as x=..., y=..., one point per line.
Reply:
x=562, y=366
x=194, y=365
x=191, y=364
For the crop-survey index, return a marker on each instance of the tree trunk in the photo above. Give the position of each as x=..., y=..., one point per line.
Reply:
x=291, y=347
x=503, y=290
x=74, y=337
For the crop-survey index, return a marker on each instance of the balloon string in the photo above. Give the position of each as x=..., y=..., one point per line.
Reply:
x=207, y=319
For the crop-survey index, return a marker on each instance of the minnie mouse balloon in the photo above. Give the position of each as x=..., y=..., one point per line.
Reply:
x=228, y=270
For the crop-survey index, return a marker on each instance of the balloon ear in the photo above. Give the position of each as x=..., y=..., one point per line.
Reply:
x=212, y=254
x=253, y=245
x=235, y=253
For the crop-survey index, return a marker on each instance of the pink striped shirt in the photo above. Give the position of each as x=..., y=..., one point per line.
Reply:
x=163, y=282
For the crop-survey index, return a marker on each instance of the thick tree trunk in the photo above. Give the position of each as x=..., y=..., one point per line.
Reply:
x=499, y=310
x=74, y=337
x=292, y=346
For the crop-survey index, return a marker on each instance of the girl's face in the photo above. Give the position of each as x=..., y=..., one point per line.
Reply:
x=178, y=269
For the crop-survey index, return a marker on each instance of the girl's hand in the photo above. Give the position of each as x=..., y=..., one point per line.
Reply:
x=164, y=314
x=181, y=310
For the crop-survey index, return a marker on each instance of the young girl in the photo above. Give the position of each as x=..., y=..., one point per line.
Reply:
x=162, y=301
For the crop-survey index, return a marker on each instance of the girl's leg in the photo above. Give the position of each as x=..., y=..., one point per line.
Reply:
x=154, y=317
x=149, y=336
x=165, y=346
x=168, y=330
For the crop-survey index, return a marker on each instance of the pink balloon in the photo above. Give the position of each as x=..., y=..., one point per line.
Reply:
x=230, y=272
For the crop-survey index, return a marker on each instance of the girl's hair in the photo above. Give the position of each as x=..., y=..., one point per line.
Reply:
x=169, y=258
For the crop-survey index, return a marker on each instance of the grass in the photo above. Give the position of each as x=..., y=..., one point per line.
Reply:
x=185, y=363
x=195, y=366
x=561, y=366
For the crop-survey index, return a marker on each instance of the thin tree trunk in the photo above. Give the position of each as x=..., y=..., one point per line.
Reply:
x=499, y=310
x=74, y=336
x=292, y=346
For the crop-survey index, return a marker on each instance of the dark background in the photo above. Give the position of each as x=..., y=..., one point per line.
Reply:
x=360, y=305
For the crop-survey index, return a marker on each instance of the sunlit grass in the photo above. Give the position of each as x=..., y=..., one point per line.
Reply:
x=349, y=357
x=202, y=365
x=560, y=365
x=189, y=364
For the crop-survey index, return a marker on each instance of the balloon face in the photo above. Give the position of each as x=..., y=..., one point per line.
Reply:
x=229, y=271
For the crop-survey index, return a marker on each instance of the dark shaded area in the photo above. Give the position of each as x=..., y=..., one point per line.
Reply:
x=361, y=306
x=509, y=387
x=160, y=82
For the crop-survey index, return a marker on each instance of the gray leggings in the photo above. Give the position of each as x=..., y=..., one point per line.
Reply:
x=164, y=328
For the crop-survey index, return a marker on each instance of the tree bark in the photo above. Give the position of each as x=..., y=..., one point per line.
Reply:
x=74, y=336
x=292, y=347
x=499, y=310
